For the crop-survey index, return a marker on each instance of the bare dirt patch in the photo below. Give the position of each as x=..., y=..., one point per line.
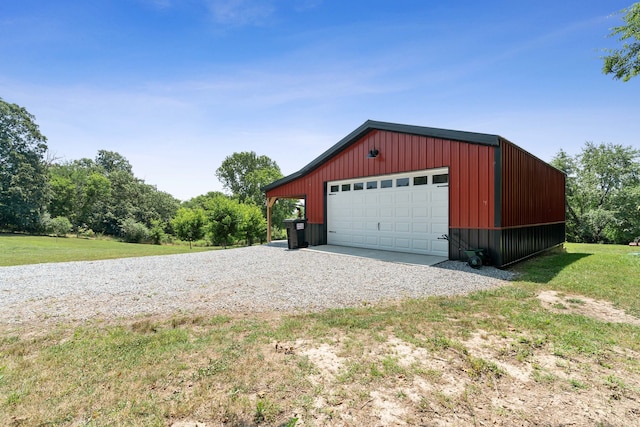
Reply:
x=483, y=382
x=601, y=310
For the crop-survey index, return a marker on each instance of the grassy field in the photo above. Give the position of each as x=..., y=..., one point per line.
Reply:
x=500, y=357
x=17, y=249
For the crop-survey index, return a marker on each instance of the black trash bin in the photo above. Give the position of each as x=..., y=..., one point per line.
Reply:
x=296, y=229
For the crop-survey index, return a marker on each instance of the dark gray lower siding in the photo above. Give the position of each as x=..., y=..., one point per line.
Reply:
x=506, y=246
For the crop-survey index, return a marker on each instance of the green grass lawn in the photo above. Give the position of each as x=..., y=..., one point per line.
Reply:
x=609, y=272
x=225, y=370
x=17, y=249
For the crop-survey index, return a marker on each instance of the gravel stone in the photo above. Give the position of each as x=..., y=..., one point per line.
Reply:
x=267, y=278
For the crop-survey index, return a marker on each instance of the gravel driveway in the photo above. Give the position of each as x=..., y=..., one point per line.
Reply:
x=254, y=279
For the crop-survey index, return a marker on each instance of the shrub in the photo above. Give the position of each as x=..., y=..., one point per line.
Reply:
x=60, y=226
x=254, y=226
x=188, y=224
x=156, y=233
x=278, y=233
x=85, y=231
x=133, y=231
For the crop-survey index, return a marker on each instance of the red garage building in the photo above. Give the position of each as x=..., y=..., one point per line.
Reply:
x=403, y=188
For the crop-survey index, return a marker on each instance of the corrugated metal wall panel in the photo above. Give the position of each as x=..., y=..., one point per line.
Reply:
x=463, y=193
x=532, y=191
x=461, y=239
x=405, y=153
x=506, y=246
x=522, y=242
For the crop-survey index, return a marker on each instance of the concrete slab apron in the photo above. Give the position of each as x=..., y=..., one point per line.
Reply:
x=397, y=257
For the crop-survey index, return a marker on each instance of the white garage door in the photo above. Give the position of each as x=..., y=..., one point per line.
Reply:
x=403, y=212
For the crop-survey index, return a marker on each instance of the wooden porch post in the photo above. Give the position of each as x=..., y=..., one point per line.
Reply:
x=270, y=202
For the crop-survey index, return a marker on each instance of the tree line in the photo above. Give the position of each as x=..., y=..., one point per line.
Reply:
x=103, y=196
x=602, y=193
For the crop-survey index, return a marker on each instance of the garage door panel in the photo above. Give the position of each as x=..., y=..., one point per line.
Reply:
x=341, y=239
x=385, y=226
x=420, y=213
x=386, y=242
x=407, y=218
x=440, y=246
x=421, y=245
x=386, y=197
x=403, y=197
x=402, y=212
x=402, y=243
x=359, y=239
x=343, y=212
x=421, y=196
x=439, y=228
x=386, y=212
x=440, y=195
x=371, y=226
x=342, y=225
x=403, y=227
x=439, y=212
x=372, y=212
x=358, y=226
x=420, y=227
x=359, y=214
x=371, y=240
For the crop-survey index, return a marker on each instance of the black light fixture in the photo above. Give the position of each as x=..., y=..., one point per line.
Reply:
x=373, y=154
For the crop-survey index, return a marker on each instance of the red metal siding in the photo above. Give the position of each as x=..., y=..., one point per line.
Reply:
x=532, y=191
x=471, y=173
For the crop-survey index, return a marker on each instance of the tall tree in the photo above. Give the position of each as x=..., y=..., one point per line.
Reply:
x=23, y=171
x=111, y=161
x=241, y=174
x=624, y=63
x=603, y=193
x=244, y=174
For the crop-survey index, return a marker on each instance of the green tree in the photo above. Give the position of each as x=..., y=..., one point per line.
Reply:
x=225, y=219
x=156, y=205
x=23, y=171
x=110, y=161
x=624, y=63
x=202, y=200
x=69, y=183
x=94, y=209
x=235, y=174
x=63, y=194
x=254, y=226
x=244, y=174
x=188, y=224
x=125, y=200
x=603, y=192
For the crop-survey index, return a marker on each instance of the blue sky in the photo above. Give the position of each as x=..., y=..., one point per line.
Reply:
x=175, y=86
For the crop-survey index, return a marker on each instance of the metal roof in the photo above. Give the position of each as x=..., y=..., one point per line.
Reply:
x=369, y=125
